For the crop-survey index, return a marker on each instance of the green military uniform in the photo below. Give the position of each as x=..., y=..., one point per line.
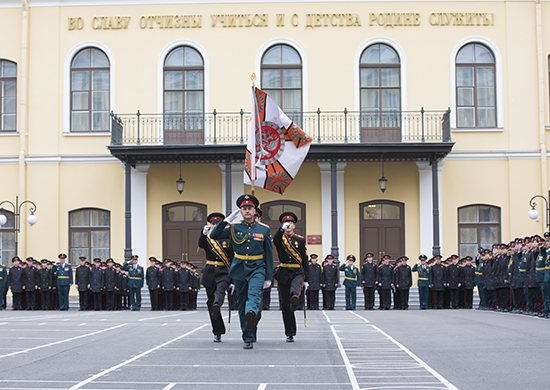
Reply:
x=352, y=279
x=424, y=281
x=252, y=264
x=135, y=283
x=64, y=282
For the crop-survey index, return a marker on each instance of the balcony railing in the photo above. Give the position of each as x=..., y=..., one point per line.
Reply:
x=325, y=127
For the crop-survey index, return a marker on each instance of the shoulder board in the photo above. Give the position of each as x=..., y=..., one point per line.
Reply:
x=263, y=224
x=236, y=222
x=297, y=235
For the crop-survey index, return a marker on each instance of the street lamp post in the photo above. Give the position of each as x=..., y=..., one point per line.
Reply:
x=31, y=219
x=534, y=214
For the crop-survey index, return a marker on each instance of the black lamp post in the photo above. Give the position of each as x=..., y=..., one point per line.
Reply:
x=31, y=219
x=534, y=214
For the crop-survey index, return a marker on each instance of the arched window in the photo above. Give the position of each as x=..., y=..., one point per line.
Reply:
x=478, y=226
x=183, y=96
x=90, y=89
x=282, y=79
x=380, y=94
x=7, y=239
x=8, y=95
x=89, y=234
x=475, y=87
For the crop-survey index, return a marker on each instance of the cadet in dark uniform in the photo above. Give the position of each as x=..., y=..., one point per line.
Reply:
x=453, y=281
x=110, y=286
x=183, y=284
x=403, y=282
x=45, y=282
x=215, y=273
x=30, y=277
x=315, y=280
x=352, y=279
x=535, y=295
x=384, y=281
x=16, y=283
x=152, y=276
x=96, y=283
x=64, y=281
x=424, y=280
x=168, y=283
x=468, y=282
x=330, y=281
x=479, y=279
x=252, y=266
x=82, y=276
x=3, y=285
x=293, y=270
x=368, y=280
x=135, y=282
x=438, y=282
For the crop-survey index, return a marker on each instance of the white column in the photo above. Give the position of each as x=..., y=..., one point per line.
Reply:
x=326, y=208
x=237, y=183
x=139, y=212
x=426, y=206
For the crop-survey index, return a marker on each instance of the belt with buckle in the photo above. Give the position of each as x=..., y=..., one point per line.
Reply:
x=217, y=263
x=289, y=265
x=249, y=257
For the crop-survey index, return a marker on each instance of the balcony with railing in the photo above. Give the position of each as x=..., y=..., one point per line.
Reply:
x=325, y=127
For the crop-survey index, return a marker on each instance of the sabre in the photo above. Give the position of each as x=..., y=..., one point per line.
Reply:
x=229, y=319
x=305, y=317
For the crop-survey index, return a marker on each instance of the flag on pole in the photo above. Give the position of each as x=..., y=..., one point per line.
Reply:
x=276, y=146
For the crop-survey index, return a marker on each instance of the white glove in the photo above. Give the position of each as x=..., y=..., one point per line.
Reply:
x=205, y=229
x=233, y=216
x=285, y=225
x=306, y=285
x=266, y=285
x=231, y=288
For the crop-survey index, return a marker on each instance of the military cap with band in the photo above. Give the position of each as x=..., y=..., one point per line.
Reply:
x=247, y=200
x=350, y=257
x=215, y=217
x=288, y=216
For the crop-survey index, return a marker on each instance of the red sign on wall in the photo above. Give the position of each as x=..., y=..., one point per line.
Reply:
x=314, y=239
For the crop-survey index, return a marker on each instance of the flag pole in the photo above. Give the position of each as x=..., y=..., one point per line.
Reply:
x=253, y=163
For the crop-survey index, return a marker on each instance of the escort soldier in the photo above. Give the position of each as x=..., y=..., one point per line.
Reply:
x=168, y=283
x=352, y=279
x=453, y=281
x=64, y=281
x=315, y=279
x=368, y=280
x=330, y=281
x=30, y=277
x=424, y=280
x=438, y=282
x=82, y=278
x=135, y=282
x=215, y=273
x=384, y=279
x=152, y=276
x=16, y=283
x=293, y=271
x=403, y=282
x=252, y=266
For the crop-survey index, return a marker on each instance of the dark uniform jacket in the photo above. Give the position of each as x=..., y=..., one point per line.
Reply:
x=168, y=279
x=452, y=276
x=110, y=279
x=531, y=269
x=45, y=279
x=315, y=277
x=183, y=277
x=501, y=271
x=195, y=281
x=96, y=280
x=330, y=277
x=468, y=277
x=30, y=277
x=384, y=275
x=16, y=280
x=152, y=276
x=488, y=275
x=292, y=251
x=368, y=275
x=402, y=277
x=219, y=252
x=438, y=277
x=513, y=270
x=82, y=276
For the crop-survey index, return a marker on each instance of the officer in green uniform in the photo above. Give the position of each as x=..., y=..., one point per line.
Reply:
x=424, y=280
x=64, y=281
x=351, y=281
x=135, y=282
x=252, y=266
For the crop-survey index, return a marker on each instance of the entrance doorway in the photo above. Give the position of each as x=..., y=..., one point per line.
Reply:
x=271, y=212
x=382, y=228
x=182, y=223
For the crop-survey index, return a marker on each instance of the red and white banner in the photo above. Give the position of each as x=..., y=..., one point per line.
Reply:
x=276, y=146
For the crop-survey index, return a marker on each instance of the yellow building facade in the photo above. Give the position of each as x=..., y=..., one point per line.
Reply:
x=449, y=101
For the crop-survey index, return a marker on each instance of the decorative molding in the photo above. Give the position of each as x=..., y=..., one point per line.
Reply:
x=56, y=159
x=495, y=155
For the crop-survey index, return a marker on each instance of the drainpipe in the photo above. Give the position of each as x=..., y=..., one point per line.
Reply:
x=542, y=109
x=22, y=72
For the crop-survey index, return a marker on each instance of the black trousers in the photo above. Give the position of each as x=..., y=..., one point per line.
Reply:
x=404, y=296
x=491, y=299
x=17, y=300
x=169, y=299
x=368, y=292
x=313, y=302
x=503, y=298
x=396, y=299
x=438, y=299
x=535, y=300
x=330, y=298
x=45, y=299
x=453, y=298
x=110, y=300
x=83, y=299
x=291, y=287
x=154, y=295
x=216, y=295
x=519, y=299
x=31, y=299
x=468, y=298
x=385, y=299
x=97, y=300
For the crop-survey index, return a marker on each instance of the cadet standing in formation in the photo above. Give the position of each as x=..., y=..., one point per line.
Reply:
x=315, y=280
x=215, y=274
x=252, y=266
x=82, y=276
x=330, y=282
x=293, y=270
x=152, y=276
x=368, y=280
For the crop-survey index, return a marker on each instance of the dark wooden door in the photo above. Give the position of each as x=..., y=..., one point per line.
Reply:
x=182, y=225
x=382, y=226
x=271, y=212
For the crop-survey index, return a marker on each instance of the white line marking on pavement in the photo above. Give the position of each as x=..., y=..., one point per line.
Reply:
x=169, y=386
x=61, y=341
x=104, y=372
x=363, y=318
x=349, y=369
x=3, y=323
x=42, y=323
x=420, y=361
x=170, y=315
x=328, y=319
x=262, y=386
x=82, y=324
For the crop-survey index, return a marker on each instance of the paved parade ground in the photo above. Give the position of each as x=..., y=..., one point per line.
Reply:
x=443, y=349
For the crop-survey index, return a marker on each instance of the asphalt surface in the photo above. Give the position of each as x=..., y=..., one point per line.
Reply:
x=443, y=349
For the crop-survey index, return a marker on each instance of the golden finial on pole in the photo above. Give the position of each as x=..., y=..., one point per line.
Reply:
x=253, y=78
